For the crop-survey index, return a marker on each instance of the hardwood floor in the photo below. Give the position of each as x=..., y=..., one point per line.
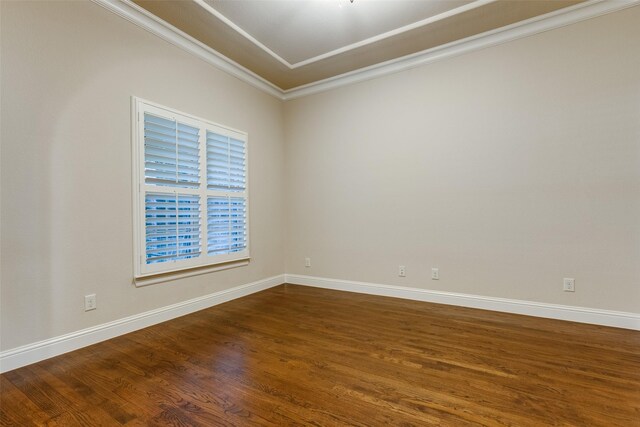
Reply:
x=295, y=355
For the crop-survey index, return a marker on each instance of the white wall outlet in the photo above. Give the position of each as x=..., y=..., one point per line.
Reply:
x=90, y=302
x=307, y=262
x=569, y=284
x=435, y=274
x=402, y=272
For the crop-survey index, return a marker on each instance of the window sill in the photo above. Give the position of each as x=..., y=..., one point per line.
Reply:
x=196, y=271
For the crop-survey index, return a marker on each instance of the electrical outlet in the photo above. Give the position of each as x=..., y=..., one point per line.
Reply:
x=435, y=274
x=402, y=272
x=307, y=262
x=90, y=302
x=569, y=284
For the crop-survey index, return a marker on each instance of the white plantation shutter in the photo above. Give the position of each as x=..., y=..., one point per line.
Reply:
x=172, y=224
x=218, y=224
x=217, y=161
x=237, y=223
x=226, y=220
x=226, y=163
x=171, y=155
x=191, y=191
x=226, y=213
x=237, y=165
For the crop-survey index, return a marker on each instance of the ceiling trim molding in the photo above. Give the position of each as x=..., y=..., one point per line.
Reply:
x=550, y=21
x=455, y=11
x=242, y=32
x=536, y=25
x=143, y=19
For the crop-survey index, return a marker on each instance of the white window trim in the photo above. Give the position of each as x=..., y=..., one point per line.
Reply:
x=193, y=266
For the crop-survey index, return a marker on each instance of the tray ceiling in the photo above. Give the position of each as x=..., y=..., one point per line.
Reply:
x=293, y=43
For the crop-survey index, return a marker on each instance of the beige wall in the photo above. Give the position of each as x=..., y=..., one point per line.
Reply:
x=508, y=168
x=68, y=72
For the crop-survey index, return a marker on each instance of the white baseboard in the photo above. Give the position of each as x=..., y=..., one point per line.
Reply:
x=616, y=319
x=31, y=353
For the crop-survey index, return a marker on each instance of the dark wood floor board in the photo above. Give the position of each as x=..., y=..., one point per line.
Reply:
x=418, y=363
x=451, y=316
x=551, y=352
x=99, y=375
x=78, y=378
x=229, y=372
x=43, y=394
x=137, y=384
x=176, y=381
x=80, y=404
x=217, y=324
x=173, y=346
x=304, y=356
x=11, y=420
x=297, y=363
x=625, y=332
x=17, y=408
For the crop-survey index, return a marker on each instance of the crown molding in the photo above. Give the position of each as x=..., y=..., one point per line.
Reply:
x=147, y=21
x=455, y=11
x=529, y=27
x=242, y=32
x=560, y=18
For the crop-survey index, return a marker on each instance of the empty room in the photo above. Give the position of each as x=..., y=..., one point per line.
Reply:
x=320, y=213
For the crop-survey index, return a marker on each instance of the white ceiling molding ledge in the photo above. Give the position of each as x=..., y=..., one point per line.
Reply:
x=242, y=32
x=529, y=27
x=550, y=21
x=458, y=10
x=352, y=46
x=140, y=17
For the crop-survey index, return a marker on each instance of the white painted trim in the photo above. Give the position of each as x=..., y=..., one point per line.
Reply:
x=35, y=352
x=242, y=32
x=550, y=21
x=616, y=319
x=146, y=274
x=181, y=274
x=560, y=18
x=347, y=48
x=142, y=18
x=395, y=32
x=32, y=353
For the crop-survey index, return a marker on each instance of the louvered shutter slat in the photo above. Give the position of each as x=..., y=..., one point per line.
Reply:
x=189, y=225
x=217, y=225
x=160, y=211
x=171, y=152
x=217, y=161
x=226, y=216
x=173, y=224
x=226, y=163
x=188, y=150
x=236, y=164
x=226, y=222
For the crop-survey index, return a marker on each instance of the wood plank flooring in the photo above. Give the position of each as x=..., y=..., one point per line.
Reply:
x=296, y=355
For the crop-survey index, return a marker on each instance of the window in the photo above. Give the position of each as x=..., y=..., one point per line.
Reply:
x=190, y=191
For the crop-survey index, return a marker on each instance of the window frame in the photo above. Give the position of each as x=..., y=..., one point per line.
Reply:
x=143, y=270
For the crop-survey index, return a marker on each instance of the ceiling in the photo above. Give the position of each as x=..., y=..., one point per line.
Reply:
x=299, y=31
x=293, y=43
